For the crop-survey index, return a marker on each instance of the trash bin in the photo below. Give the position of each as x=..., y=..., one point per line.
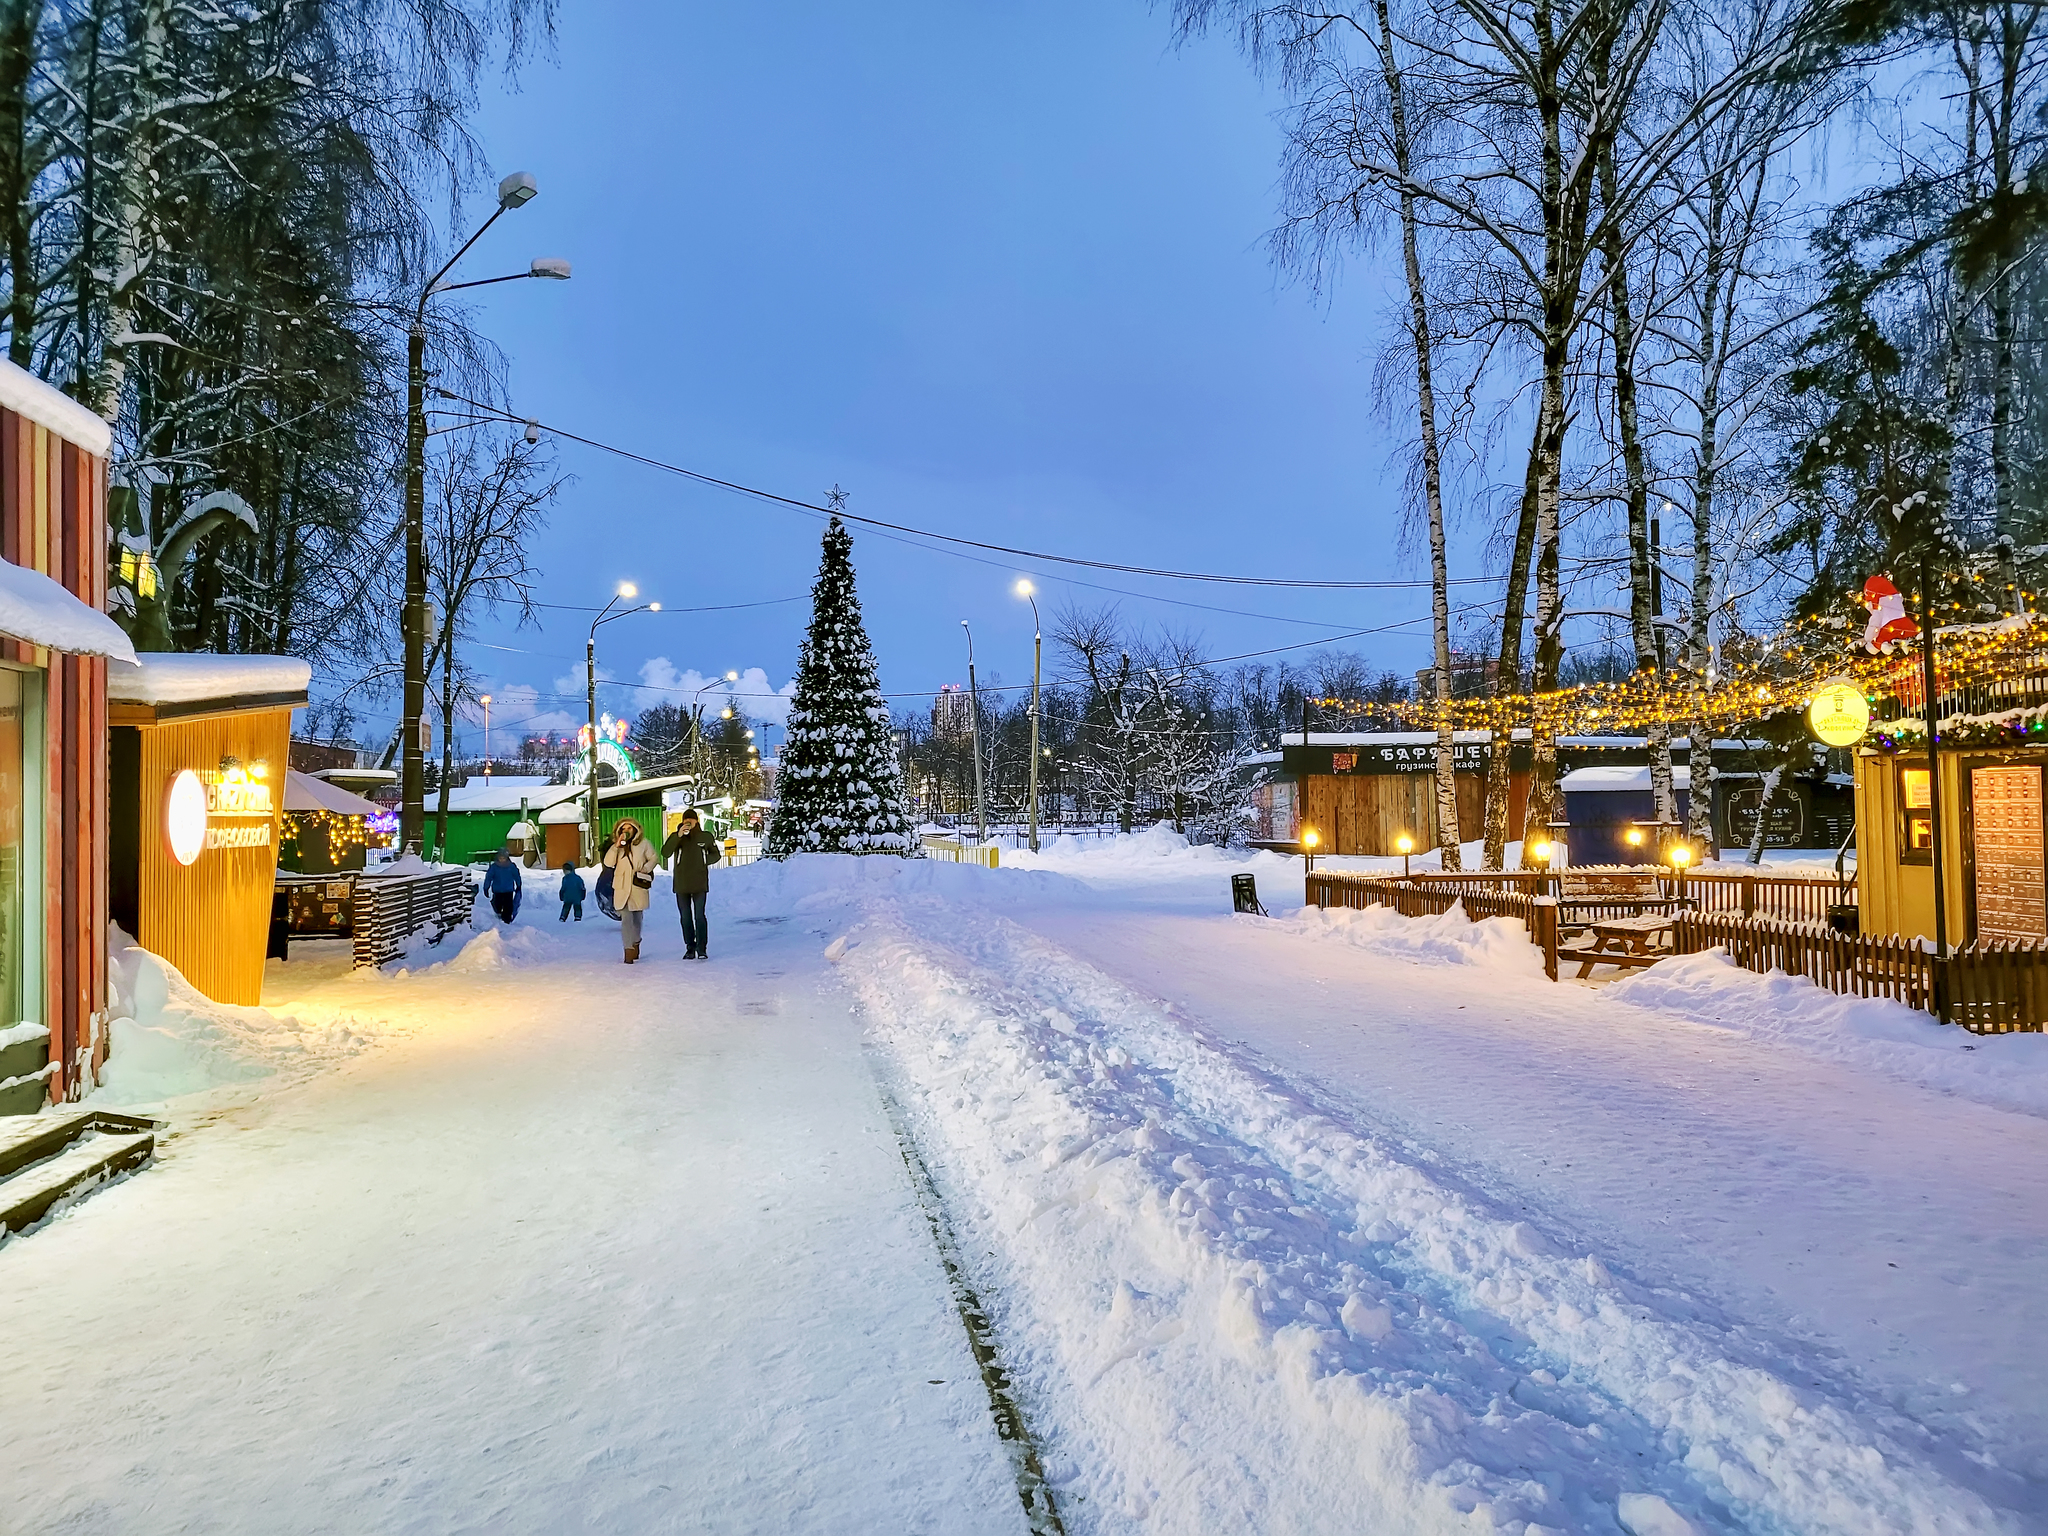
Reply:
x=1244, y=895
x=1845, y=917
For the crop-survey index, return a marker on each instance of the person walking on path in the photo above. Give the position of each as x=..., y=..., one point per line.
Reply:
x=502, y=885
x=694, y=851
x=632, y=862
x=572, y=891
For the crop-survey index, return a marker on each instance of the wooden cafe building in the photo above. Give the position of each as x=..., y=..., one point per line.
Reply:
x=132, y=788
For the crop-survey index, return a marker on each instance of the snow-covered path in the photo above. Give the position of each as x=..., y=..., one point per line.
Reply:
x=1895, y=1236
x=1324, y=1223
x=582, y=1248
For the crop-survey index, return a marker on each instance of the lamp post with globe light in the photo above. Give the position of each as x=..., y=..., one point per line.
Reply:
x=486, y=702
x=626, y=592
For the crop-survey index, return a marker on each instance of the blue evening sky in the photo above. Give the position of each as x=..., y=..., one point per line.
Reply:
x=995, y=269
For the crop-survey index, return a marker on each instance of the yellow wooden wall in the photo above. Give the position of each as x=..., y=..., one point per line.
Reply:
x=211, y=919
x=1896, y=897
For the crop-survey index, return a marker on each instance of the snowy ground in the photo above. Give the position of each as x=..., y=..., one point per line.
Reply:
x=1322, y=1222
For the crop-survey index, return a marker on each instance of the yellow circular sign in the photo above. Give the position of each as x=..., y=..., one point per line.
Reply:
x=1839, y=713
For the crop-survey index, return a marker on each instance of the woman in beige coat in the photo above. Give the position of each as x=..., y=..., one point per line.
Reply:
x=632, y=861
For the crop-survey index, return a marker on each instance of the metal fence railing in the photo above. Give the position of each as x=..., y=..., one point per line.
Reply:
x=946, y=851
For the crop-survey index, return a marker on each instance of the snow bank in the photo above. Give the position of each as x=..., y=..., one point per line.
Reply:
x=1229, y=1312
x=2005, y=1071
x=822, y=882
x=1501, y=943
x=1152, y=853
x=166, y=1039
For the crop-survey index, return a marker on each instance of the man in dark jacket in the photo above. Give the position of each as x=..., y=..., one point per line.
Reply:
x=692, y=851
x=501, y=884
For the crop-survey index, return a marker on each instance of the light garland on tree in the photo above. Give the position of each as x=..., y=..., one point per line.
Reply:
x=1783, y=675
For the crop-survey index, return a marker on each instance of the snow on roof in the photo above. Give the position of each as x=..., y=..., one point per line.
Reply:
x=563, y=813
x=503, y=794
x=26, y=395
x=1582, y=781
x=35, y=608
x=171, y=677
x=303, y=792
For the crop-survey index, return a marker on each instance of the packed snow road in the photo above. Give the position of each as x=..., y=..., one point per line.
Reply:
x=1322, y=1223
x=576, y=1247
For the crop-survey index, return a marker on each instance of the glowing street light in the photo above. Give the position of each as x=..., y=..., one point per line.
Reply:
x=626, y=593
x=1309, y=840
x=486, y=702
x=1405, y=846
x=1025, y=590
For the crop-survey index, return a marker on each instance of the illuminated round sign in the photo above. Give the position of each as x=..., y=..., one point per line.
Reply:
x=185, y=816
x=1839, y=713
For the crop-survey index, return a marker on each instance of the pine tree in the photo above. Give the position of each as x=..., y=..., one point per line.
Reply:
x=839, y=790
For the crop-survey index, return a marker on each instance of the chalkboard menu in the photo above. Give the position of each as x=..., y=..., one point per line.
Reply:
x=2012, y=885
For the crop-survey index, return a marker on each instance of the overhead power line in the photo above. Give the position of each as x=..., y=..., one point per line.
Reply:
x=948, y=538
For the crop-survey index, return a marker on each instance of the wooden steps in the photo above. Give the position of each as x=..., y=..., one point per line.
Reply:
x=45, y=1159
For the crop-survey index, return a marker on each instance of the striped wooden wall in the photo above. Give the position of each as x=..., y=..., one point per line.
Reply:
x=1365, y=812
x=53, y=519
x=211, y=918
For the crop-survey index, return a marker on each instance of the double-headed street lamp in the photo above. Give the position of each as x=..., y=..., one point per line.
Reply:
x=515, y=191
x=1025, y=591
x=627, y=592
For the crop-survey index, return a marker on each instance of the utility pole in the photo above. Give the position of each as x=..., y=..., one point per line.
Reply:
x=1025, y=591
x=515, y=191
x=974, y=742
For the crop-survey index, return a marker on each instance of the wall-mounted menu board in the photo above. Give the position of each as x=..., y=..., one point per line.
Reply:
x=2012, y=869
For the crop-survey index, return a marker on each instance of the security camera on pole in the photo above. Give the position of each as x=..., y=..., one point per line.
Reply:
x=515, y=191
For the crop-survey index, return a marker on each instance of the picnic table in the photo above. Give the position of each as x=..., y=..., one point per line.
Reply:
x=1624, y=941
x=1604, y=894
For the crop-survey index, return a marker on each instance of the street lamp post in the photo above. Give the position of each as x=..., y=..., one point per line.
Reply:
x=486, y=702
x=515, y=191
x=604, y=616
x=1025, y=591
x=974, y=741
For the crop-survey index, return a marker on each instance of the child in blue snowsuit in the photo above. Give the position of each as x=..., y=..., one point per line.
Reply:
x=572, y=891
x=501, y=884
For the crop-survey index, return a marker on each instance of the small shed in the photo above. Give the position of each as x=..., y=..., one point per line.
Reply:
x=1994, y=816
x=197, y=750
x=1603, y=805
x=324, y=826
x=561, y=831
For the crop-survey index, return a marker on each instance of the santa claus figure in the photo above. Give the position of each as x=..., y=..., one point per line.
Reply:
x=1888, y=617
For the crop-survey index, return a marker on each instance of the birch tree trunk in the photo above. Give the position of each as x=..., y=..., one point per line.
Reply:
x=1447, y=830
x=1628, y=424
x=1507, y=677
x=134, y=246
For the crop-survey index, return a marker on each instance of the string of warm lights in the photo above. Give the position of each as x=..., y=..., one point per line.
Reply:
x=1779, y=674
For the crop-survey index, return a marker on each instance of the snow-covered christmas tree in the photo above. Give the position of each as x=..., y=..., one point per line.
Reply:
x=838, y=789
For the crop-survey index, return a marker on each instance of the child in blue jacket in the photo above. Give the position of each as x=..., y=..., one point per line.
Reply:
x=572, y=891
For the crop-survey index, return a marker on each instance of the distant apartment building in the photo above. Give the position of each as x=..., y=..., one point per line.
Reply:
x=952, y=713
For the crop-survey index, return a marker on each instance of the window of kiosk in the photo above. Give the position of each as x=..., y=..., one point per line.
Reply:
x=1916, y=816
x=21, y=825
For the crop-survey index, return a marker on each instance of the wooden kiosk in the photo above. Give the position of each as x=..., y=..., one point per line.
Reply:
x=198, y=750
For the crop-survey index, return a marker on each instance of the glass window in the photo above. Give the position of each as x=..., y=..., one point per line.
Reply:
x=1916, y=807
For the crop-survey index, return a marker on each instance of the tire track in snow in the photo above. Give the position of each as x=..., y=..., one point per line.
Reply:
x=1041, y=1515
x=1160, y=1218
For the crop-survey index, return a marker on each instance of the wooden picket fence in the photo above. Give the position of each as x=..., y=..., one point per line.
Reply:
x=1993, y=988
x=1414, y=898
x=1790, y=898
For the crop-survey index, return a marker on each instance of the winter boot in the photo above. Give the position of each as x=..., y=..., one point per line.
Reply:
x=632, y=954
